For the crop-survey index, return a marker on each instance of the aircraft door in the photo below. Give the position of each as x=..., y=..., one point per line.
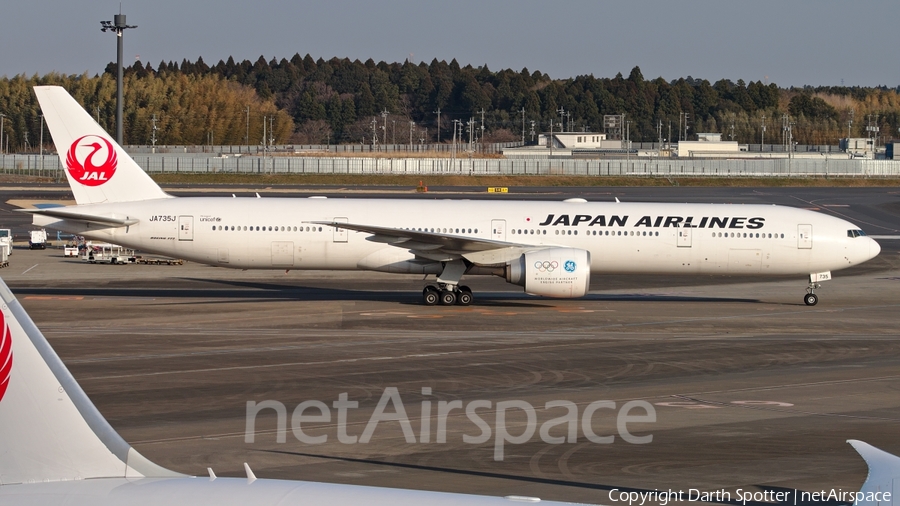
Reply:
x=804, y=236
x=684, y=237
x=340, y=234
x=498, y=230
x=185, y=228
x=282, y=253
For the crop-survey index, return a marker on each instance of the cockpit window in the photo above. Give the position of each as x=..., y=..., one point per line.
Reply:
x=855, y=233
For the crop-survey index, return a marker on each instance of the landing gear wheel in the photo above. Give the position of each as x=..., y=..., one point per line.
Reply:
x=464, y=298
x=430, y=296
x=810, y=299
x=448, y=298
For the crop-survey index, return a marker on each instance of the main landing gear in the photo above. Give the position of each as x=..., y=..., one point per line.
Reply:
x=448, y=290
x=447, y=295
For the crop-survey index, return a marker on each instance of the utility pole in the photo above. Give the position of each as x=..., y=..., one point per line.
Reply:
x=551, y=139
x=850, y=123
x=393, y=131
x=680, y=116
x=2, y=118
x=247, y=135
x=374, y=131
x=439, y=125
x=532, y=131
x=762, y=133
x=562, y=119
x=272, y=131
x=153, y=134
x=627, y=143
x=784, y=130
x=686, y=115
x=659, y=134
x=412, y=125
x=523, y=125
x=117, y=26
x=453, y=146
x=384, y=115
x=482, y=129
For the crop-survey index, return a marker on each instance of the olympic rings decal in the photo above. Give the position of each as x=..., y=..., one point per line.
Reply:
x=546, y=265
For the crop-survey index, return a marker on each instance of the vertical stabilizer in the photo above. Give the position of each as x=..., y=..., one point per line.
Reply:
x=98, y=169
x=884, y=472
x=49, y=429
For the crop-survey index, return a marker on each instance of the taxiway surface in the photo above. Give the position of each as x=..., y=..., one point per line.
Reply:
x=751, y=388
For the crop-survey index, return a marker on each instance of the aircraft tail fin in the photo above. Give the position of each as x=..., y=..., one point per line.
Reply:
x=98, y=169
x=884, y=472
x=51, y=431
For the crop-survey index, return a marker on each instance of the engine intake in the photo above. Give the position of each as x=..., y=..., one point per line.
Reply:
x=552, y=272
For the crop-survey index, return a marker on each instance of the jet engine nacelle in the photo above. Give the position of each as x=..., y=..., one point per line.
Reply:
x=552, y=272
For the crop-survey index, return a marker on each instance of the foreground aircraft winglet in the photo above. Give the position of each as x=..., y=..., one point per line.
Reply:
x=884, y=469
x=98, y=169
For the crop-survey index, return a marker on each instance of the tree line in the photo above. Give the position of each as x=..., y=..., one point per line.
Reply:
x=343, y=101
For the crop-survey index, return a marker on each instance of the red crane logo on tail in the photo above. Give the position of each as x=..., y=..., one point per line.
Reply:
x=83, y=156
x=6, y=356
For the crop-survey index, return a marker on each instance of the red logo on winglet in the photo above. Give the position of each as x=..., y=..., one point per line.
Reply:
x=83, y=156
x=6, y=356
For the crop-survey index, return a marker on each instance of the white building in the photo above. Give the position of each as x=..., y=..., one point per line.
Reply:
x=858, y=147
x=578, y=140
x=710, y=145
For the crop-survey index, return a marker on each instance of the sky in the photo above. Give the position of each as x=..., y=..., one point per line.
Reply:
x=788, y=42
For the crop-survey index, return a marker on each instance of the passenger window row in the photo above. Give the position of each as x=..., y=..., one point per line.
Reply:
x=232, y=228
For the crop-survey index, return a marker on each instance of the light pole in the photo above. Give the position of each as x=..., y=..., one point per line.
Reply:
x=118, y=26
x=42, y=142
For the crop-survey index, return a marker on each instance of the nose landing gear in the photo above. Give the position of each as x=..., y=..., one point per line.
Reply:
x=811, y=299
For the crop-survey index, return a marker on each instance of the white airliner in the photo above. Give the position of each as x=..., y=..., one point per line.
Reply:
x=57, y=449
x=549, y=248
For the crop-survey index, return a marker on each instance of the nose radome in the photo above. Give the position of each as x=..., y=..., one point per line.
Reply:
x=874, y=248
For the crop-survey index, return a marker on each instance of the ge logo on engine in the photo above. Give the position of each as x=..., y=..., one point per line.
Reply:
x=569, y=266
x=546, y=265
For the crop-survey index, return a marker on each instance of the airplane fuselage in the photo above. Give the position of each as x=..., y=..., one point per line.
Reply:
x=642, y=238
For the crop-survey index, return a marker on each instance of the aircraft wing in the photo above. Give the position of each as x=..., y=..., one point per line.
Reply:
x=441, y=246
x=71, y=215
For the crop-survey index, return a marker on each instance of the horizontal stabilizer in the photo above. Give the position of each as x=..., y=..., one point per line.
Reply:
x=73, y=215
